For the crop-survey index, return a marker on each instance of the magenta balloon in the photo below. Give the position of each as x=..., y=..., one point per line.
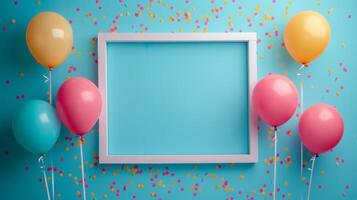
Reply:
x=275, y=99
x=320, y=128
x=78, y=105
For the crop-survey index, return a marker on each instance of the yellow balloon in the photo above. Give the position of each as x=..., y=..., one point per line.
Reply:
x=49, y=37
x=306, y=36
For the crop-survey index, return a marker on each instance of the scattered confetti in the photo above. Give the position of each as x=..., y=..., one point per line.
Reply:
x=328, y=80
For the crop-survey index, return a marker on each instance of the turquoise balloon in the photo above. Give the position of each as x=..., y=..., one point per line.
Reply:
x=36, y=126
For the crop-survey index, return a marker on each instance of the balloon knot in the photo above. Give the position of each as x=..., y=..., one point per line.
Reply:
x=41, y=161
x=275, y=128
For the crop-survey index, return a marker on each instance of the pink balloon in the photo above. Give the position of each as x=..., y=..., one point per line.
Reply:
x=78, y=105
x=275, y=99
x=320, y=128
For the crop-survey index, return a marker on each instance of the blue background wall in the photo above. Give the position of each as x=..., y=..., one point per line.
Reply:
x=329, y=79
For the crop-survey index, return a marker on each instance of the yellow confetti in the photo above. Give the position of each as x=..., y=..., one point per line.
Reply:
x=187, y=15
x=302, y=178
x=322, y=173
x=263, y=193
x=230, y=24
x=267, y=17
x=213, y=176
x=257, y=8
x=160, y=183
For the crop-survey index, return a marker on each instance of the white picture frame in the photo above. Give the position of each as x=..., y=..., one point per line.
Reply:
x=104, y=38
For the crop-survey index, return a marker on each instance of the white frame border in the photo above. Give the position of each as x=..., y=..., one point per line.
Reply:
x=104, y=38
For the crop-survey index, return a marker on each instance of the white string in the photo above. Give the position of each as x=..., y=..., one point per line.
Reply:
x=301, y=164
x=301, y=111
x=275, y=160
x=50, y=102
x=302, y=67
x=45, y=178
x=50, y=87
x=53, y=179
x=43, y=169
x=82, y=166
x=311, y=174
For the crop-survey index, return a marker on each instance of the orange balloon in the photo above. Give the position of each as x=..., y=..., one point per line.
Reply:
x=49, y=38
x=306, y=36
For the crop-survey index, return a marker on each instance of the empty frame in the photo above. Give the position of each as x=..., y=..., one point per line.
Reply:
x=177, y=97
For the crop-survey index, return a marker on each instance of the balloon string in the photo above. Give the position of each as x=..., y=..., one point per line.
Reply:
x=50, y=102
x=301, y=111
x=301, y=163
x=42, y=166
x=302, y=67
x=50, y=87
x=82, y=166
x=53, y=179
x=311, y=174
x=275, y=160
